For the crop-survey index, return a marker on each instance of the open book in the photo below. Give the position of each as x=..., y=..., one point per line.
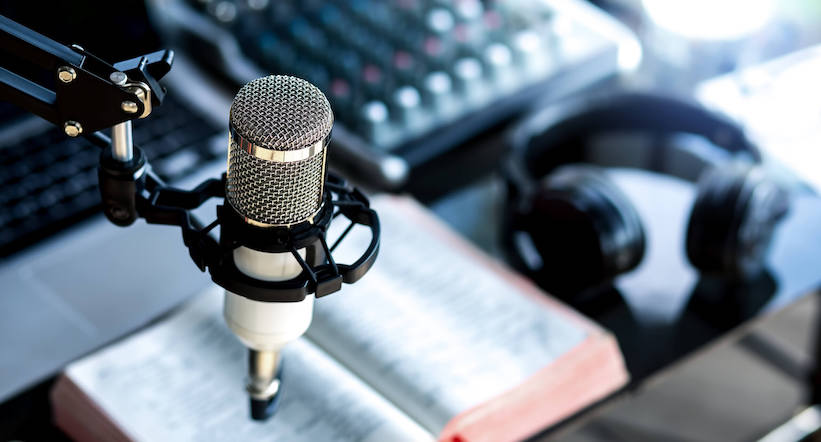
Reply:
x=437, y=341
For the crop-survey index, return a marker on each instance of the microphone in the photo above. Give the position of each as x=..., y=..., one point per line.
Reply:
x=279, y=131
x=271, y=257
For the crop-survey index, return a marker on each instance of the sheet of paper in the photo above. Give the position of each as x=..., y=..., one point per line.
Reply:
x=433, y=329
x=183, y=380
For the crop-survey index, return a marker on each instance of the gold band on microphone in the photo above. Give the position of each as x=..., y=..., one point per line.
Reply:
x=277, y=156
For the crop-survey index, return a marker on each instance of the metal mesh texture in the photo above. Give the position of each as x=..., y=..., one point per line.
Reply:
x=279, y=112
x=271, y=192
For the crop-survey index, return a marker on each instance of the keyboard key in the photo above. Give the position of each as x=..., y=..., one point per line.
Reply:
x=440, y=21
x=341, y=97
x=37, y=181
x=334, y=21
x=530, y=52
x=405, y=65
x=282, y=13
x=50, y=196
x=382, y=17
x=349, y=64
x=310, y=6
x=407, y=106
x=85, y=200
x=276, y=53
x=14, y=192
x=308, y=37
x=330, y=16
x=177, y=164
x=436, y=51
x=409, y=7
x=257, y=5
x=179, y=138
x=498, y=59
x=492, y=20
x=80, y=182
x=373, y=80
x=223, y=10
x=361, y=8
x=469, y=10
x=21, y=169
x=23, y=209
x=71, y=147
x=438, y=90
x=374, y=121
x=467, y=75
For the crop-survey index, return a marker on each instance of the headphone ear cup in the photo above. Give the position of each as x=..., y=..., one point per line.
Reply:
x=733, y=219
x=579, y=231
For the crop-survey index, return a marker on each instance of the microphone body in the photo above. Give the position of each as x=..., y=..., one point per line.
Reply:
x=267, y=326
x=279, y=131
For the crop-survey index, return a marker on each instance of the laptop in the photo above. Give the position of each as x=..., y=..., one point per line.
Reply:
x=69, y=287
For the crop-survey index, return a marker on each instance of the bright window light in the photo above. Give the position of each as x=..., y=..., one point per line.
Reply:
x=710, y=19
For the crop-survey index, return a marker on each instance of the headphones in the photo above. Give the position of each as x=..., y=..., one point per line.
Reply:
x=568, y=226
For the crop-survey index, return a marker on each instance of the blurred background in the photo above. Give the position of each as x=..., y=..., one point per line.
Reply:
x=653, y=163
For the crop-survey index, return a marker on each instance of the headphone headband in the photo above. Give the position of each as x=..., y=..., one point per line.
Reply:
x=552, y=137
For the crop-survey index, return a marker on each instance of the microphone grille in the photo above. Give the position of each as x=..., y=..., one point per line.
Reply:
x=279, y=128
x=281, y=113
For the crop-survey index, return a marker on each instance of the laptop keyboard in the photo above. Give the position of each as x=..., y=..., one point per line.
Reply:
x=49, y=181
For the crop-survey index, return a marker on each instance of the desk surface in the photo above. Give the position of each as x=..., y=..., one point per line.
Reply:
x=742, y=392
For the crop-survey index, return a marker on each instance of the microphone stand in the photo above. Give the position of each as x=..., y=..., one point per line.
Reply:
x=91, y=95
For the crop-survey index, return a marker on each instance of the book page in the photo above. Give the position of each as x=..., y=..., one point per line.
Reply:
x=433, y=328
x=183, y=380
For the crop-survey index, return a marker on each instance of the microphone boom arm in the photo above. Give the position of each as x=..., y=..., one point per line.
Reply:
x=89, y=94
